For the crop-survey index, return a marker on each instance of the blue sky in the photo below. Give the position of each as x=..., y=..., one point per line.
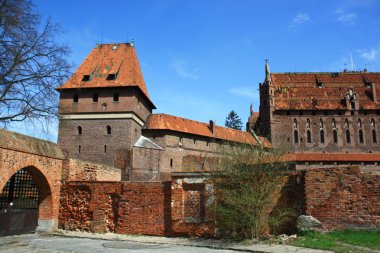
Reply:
x=201, y=59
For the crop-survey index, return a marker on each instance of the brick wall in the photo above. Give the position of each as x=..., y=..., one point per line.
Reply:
x=343, y=197
x=78, y=170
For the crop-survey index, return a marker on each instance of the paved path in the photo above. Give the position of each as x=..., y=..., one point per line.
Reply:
x=81, y=242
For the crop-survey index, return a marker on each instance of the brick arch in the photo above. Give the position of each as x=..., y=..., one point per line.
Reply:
x=46, y=171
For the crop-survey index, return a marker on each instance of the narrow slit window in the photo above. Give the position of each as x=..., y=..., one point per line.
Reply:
x=116, y=97
x=361, y=136
x=109, y=130
x=79, y=149
x=335, y=136
x=374, y=137
x=308, y=136
x=95, y=98
x=75, y=98
x=105, y=149
x=322, y=136
x=348, y=136
x=295, y=137
x=79, y=129
x=171, y=163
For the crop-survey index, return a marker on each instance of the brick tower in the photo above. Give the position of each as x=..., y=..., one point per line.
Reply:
x=103, y=106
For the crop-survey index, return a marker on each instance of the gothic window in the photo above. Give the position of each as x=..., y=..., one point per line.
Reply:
x=295, y=125
x=361, y=136
x=295, y=137
x=335, y=136
x=359, y=123
x=322, y=136
x=79, y=128
x=346, y=124
x=373, y=123
x=348, y=136
x=374, y=137
x=108, y=129
x=308, y=136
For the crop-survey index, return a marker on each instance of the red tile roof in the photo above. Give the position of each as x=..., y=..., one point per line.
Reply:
x=300, y=91
x=333, y=157
x=173, y=123
x=105, y=59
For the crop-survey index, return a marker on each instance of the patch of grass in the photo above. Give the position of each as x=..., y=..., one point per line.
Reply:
x=335, y=240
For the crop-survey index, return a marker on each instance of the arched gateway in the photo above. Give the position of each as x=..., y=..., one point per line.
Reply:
x=30, y=177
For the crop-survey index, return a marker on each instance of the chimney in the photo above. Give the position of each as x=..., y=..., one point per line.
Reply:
x=212, y=126
x=373, y=90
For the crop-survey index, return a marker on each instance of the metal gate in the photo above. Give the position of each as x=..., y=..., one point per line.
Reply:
x=19, y=205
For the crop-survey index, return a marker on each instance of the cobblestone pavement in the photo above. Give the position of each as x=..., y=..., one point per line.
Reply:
x=59, y=244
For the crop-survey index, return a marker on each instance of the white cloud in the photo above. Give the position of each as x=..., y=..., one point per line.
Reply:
x=368, y=54
x=180, y=67
x=347, y=18
x=245, y=92
x=300, y=19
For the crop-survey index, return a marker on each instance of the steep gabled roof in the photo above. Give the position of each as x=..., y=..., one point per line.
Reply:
x=177, y=124
x=316, y=91
x=109, y=65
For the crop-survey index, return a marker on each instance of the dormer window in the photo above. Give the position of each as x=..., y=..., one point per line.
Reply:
x=86, y=78
x=111, y=77
x=320, y=84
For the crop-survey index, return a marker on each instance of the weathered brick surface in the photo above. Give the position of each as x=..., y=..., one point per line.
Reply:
x=78, y=170
x=343, y=197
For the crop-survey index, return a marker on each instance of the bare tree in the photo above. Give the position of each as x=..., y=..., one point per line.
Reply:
x=32, y=64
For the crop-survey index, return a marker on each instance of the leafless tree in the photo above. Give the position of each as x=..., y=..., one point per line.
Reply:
x=32, y=64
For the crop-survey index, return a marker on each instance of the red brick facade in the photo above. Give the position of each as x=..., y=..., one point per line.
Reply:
x=343, y=197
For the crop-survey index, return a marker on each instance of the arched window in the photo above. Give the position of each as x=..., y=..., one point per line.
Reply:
x=359, y=123
x=361, y=136
x=373, y=123
x=335, y=136
x=295, y=125
x=333, y=123
x=348, y=136
x=295, y=137
x=322, y=136
x=308, y=136
x=307, y=123
x=374, y=137
x=346, y=124
x=320, y=123
x=79, y=128
x=109, y=130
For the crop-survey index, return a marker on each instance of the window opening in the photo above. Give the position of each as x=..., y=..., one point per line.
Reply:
x=374, y=137
x=79, y=128
x=322, y=136
x=116, y=97
x=348, y=136
x=295, y=136
x=308, y=136
x=111, y=77
x=75, y=98
x=95, y=98
x=86, y=78
x=335, y=136
x=108, y=130
x=79, y=148
x=105, y=149
x=171, y=162
x=361, y=136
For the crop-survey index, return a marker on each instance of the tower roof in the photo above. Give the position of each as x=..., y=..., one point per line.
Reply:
x=109, y=65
